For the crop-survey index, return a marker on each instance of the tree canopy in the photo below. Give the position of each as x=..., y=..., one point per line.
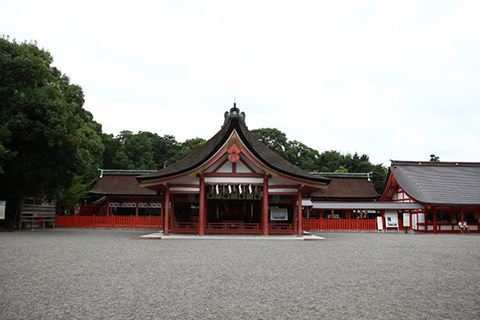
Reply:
x=144, y=150
x=311, y=160
x=46, y=137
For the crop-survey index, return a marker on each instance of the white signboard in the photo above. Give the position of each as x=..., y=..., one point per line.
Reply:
x=2, y=210
x=379, y=224
x=391, y=219
x=406, y=220
x=279, y=214
x=421, y=218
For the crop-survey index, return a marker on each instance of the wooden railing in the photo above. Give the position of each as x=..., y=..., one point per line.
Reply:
x=233, y=227
x=129, y=222
x=340, y=224
x=185, y=227
x=281, y=228
x=132, y=222
x=443, y=227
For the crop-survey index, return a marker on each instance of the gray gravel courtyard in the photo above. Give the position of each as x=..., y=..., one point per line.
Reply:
x=102, y=274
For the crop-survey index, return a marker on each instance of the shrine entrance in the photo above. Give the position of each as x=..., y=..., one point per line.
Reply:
x=233, y=216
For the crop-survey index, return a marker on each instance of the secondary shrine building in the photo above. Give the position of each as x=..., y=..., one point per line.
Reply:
x=448, y=194
x=233, y=184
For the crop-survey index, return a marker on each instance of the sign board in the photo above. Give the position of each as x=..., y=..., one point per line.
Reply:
x=414, y=221
x=379, y=224
x=2, y=209
x=279, y=214
x=421, y=218
x=406, y=220
x=391, y=219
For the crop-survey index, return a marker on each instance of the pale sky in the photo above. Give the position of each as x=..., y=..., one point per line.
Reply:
x=393, y=79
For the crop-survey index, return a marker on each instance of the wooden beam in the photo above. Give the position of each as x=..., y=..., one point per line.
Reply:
x=166, y=211
x=265, y=206
x=300, y=213
x=201, y=209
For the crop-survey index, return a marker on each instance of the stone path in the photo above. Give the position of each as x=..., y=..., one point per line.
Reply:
x=101, y=274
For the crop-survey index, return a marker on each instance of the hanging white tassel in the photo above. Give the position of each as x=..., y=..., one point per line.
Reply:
x=217, y=189
x=240, y=188
x=250, y=188
x=229, y=189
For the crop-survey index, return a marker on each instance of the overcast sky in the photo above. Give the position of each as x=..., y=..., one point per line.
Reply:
x=393, y=79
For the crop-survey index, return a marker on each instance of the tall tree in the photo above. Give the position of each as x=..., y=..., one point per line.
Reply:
x=46, y=137
x=273, y=138
x=302, y=156
x=188, y=147
x=164, y=150
x=136, y=152
x=112, y=145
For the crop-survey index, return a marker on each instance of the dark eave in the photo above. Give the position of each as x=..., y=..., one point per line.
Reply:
x=119, y=184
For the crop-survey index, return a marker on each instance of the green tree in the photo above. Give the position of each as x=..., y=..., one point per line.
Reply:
x=141, y=151
x=112, y=145
x=273, y=138
x=136, y=152
x=341, y=169
x=46, y=137
x=434, y=158
x=379, y=177
x=329, y=161
x=188, y=147
x=164, y=150
x=301, y=155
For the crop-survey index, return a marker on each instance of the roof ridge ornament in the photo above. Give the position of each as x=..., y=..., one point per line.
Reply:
x=234, y=113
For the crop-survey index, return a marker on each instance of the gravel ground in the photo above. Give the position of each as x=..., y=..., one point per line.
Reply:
x=98, y=274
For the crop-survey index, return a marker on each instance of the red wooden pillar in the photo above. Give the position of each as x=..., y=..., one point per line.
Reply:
x=172, y=212
x=435, y=221
x=136, y=208
x=201, y=209
x=162, y=208
x=265, y=206
x=384, y=223
x=300, y=213
x=166, y=211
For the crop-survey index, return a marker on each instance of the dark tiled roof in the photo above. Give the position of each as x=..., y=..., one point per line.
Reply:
x=119, y=184
x=450, y=183
x=208, y=150
x=348, y=188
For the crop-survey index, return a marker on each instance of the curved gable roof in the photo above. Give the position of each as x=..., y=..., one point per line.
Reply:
x=119, y=184
x=348, y=187
x=449, y=183
x=268, y=158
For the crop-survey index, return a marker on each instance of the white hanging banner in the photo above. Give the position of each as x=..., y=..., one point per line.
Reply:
x=391, y=219
x=379, y=224
x=406, y=220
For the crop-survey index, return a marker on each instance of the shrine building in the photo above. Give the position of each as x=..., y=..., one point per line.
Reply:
x=449, y=193
x=233, y=184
